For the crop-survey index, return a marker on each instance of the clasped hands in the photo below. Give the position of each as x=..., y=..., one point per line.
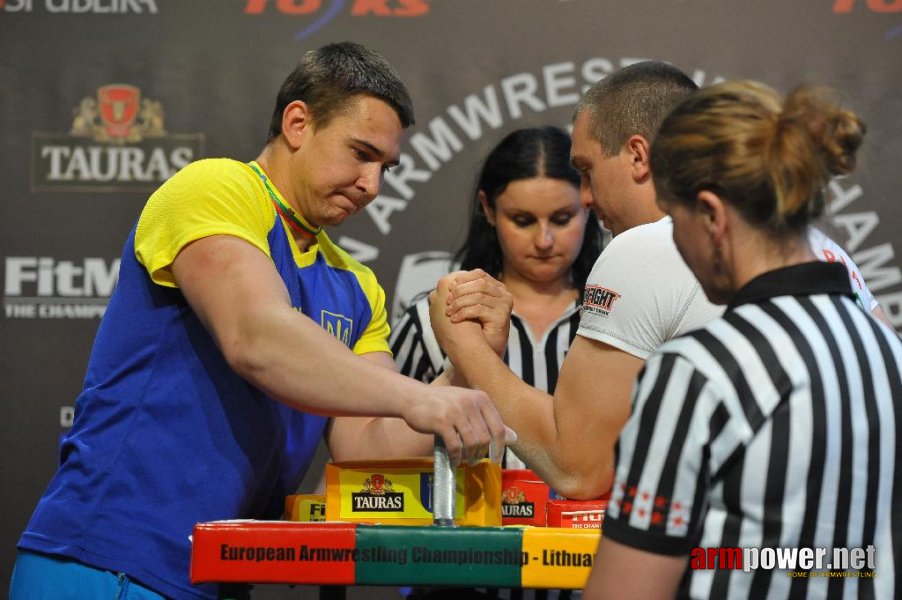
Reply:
x=468, y=308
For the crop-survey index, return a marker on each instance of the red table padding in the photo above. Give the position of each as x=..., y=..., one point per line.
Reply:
x=280, y=552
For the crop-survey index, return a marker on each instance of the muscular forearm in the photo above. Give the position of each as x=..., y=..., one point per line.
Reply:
x=365, y=437
x=571, y=464
x=568, y=439
x=356, y=438
x=275, y=356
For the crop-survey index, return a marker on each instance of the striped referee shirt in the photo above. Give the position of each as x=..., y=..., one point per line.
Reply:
x=771, y=427
x=535, y=361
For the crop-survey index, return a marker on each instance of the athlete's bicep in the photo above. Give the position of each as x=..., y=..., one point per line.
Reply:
x=231, y=285
x=591, y=404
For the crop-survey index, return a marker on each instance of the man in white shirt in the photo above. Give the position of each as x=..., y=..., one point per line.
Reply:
x=639, y=294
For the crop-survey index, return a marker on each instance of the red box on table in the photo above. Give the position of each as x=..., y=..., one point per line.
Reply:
x=523, y=498
x=577, y=514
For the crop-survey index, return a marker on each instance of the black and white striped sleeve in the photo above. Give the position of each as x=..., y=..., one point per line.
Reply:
x=414, y=345
x=664, y=460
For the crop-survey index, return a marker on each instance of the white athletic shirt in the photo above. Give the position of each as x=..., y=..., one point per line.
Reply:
x=829, y=251
x=641, y=293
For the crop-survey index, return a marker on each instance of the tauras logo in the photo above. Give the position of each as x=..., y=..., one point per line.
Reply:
x=117, y=142
x=391, y=502
x=47, y=288
x=377, y=496
x=514, y=504
x=524, y=509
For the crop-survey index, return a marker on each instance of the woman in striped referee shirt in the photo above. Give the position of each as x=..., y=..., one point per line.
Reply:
x=771, y=430
x=526, y=228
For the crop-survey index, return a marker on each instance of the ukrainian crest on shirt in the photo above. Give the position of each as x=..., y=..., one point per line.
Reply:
x=338, y=325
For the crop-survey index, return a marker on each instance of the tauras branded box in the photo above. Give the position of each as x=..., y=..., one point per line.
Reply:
x=523, y=498
x=399, y=492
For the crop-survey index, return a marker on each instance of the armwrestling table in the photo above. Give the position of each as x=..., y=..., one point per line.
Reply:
x=334, y=555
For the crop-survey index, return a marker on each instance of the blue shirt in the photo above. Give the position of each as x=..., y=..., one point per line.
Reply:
x=166, y=434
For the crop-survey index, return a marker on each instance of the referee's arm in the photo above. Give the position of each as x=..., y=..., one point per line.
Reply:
x=621, y=571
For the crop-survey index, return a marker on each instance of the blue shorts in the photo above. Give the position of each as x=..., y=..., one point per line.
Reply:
x=44, y=577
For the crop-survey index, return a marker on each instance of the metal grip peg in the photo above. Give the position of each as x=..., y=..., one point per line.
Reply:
x=443, y=486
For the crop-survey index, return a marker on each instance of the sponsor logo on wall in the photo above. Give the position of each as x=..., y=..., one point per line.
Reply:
x=117, y=142
x=98, y=7
x=867, y=7
x=322, y=12
x=515, y=100
x=855, y=225
x=863, y=6
x=419, y=272
x=518, y=99
x=48, y=288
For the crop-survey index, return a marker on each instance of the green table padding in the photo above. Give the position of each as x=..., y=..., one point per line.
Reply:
x=438, y=556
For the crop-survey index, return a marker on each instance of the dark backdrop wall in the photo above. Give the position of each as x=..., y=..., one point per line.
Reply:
x=101, y=100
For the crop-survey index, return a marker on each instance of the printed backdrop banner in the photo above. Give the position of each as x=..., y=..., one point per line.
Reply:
x=102, y=100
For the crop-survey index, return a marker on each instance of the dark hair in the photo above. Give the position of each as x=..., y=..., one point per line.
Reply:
x=523, y=154
x=329, y=78
x=633, y=101
x=770, y=159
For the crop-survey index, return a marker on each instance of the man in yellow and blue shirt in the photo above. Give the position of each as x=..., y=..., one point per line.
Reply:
x=223, y=356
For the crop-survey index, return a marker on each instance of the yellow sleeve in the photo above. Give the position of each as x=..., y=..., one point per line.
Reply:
x=208, y=197
x=375, y=338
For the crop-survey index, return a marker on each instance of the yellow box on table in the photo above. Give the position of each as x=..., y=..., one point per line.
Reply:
x=399, y=492
x=309, y=508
